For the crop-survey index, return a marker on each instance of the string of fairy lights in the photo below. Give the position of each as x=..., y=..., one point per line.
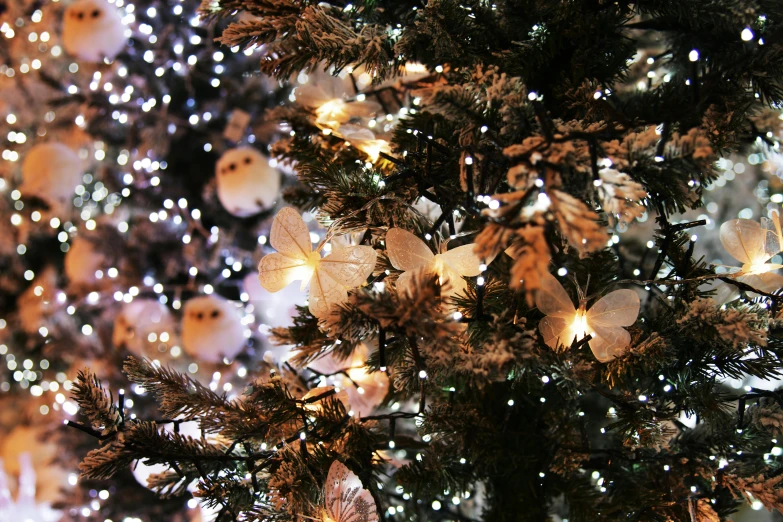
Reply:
x=94, y=199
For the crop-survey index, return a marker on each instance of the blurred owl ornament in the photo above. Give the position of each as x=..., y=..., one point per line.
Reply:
x=37, y=303
x=142, y=326
x=212, y=329
x=82, y=262
x=93, y=30
x=51, y=172
x=25, y=507
x=246, y=182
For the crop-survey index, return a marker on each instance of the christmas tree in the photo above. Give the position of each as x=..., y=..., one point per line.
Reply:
x=529, y=275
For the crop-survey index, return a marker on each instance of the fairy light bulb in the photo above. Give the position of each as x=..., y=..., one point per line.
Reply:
x=331, y=112
x=579, y=327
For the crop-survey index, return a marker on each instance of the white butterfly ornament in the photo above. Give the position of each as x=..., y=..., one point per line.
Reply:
x=345, y=499
x=330, y=277
x=604, y=321
x=410, y=254
x=753, y=245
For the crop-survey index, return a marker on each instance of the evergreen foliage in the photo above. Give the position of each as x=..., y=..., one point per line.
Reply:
x=529, y=133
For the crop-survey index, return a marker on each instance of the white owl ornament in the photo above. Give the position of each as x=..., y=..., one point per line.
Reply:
x=246, y=182
x=51, y=172
x=93, y=30
x=142, y=326
x=212, y=329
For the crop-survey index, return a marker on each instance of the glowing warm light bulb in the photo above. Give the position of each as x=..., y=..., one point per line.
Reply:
x=331, y=113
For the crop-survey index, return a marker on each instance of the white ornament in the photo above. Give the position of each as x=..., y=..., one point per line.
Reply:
x=212, y=329
x=328, y=96
x=330, y=277
x=142, y=325
x=93, y=30
x=246, y=183
x=25, y=507
x=51, y=172
x=753, y=245
x=82, y=261
x=345, y=499
x=364, y=140
x=604, y=320
x=410, y=254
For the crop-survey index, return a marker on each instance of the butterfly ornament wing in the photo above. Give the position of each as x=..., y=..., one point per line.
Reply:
x=606, y=319
x=293, y=259
x=557, y=327
x=407, y=253
x=345, y=268
x=346, y=500
x=749, y=243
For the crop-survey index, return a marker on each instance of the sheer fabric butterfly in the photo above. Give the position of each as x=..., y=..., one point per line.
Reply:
x=604, y=321
x=330, y=277
x=410, y=254
x=345, y=499
x=752, y=244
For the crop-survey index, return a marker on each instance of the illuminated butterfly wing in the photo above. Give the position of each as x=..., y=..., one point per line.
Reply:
x=773, y=233
x=462, y=260
x=406, y=251
x=289, y=234
x=350, y=266
x=606, y=319
x=553, y=300
x=745, y=240
x=346, y=500
x=325, y=292
x=276, y=271
x=608, y=342
x=557, y=331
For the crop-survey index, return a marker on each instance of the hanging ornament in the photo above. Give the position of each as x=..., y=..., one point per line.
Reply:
x=604, y=320
x=143, y=326
x=364, y=140
x=82, y=261
x=51, y=173
x=246, y=183
x=25, y=508
x=345, y=499
x=365, y=390
x=329, y=96
x=752, y=245
x=93, y=30
x=331, y=277
x=212, y=329
x=410, y=254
